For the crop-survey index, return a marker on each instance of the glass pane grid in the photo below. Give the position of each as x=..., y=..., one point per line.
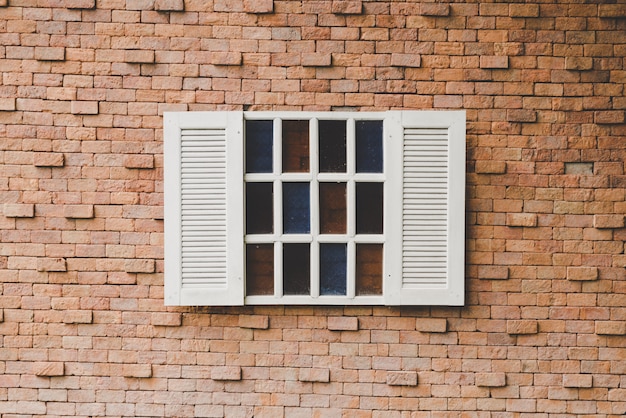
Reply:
x=327, y=210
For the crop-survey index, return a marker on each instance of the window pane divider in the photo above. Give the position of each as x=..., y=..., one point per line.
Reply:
x=314, y=206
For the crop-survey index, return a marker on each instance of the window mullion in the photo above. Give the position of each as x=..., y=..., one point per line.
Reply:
x=350, y=208
x=314, y=206
x=278, y=209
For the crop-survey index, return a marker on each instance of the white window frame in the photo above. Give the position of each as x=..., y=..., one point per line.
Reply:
x=206, y=267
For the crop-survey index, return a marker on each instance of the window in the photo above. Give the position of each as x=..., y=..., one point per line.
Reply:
x=314, y=208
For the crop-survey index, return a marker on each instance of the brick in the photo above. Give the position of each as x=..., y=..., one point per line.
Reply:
x=610, y=327
x=434, y=9
x=520, y=327
x=226, y=373
x=608, y=221
x=582, y=273
x=585, y=169
x=316, y=59
x=7, y=104
x=139, y=161
x=84, y=108
x=577, y=381
x=314, y=375
x=612, y=10
x=494, y=61
x=169, y=5
x=135, y=265
x=136, y=56
x=521, y=115
x=521, y=219
x=78, y=211
x=524, y=10
x=51, y=264
x=226, y=58
x=166, y=319
x=1, y=315
x=493, y=272
x=4, y=3
x=49, y=53
x=19, y=210
x=406, y=60
x=80, y=4
x=436, y=325
x=254, y=321
x=347, y=7
x=490, y=167
x=258, y=6
x=49, y=369
x=609, y=117
x=343, y=323
x=401, y=378
x=578, y=63
x=77, y=317
x=137, y=370
x=493, y=380
x=49, y=159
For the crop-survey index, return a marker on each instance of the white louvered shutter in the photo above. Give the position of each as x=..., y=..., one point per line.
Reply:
x=426, y=209
x=203, y=156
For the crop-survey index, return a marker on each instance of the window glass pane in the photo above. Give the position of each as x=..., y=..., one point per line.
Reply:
x=259, y=208
x=369, y=146
x=296, y=269
x=369, y=269
x=332, y=208
x=333, y=269
x=296, y=208
x=259, y=140
x=369, y=208
x=260, y=269
x=295, y=146
x=332, y=143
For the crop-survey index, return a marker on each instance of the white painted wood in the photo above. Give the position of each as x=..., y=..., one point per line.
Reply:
x=429, y=210
x=203, y=208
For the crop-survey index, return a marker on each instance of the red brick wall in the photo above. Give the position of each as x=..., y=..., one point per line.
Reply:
x=83, y=328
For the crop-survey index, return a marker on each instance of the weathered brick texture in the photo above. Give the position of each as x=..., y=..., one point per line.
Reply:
x=84, y=330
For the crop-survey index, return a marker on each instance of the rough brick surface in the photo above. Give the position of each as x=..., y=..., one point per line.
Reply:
x=49, y=369
x=83, y=90
x=78, y=211
x=436, y=325
x=520, y=327
x=402, y=378
x=18, y=210
x=336, y=323
x=49, y=159
x=490, y=379
x=254, y=321
x=226, y=373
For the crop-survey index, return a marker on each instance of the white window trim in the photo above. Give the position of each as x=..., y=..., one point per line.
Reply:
x=226, y=285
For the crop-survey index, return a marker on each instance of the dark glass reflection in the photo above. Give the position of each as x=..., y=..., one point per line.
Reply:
x=295, y=146
x=333, y=269
x=369, y=146
x=296, y=269
x=369, y=269
x=332, y=146
x=260, y=269
x=369, y=208
x=259, y=208
x=333, y=208
x=296, y=208
x=259, y=140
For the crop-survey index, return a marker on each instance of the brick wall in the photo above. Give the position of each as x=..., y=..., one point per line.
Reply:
x=83, y=329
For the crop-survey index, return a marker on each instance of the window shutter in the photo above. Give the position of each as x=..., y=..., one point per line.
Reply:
x=203, y=178
x=425, y=252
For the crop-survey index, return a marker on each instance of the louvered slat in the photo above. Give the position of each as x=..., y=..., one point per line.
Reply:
x=203, y=208
x=425, y=200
